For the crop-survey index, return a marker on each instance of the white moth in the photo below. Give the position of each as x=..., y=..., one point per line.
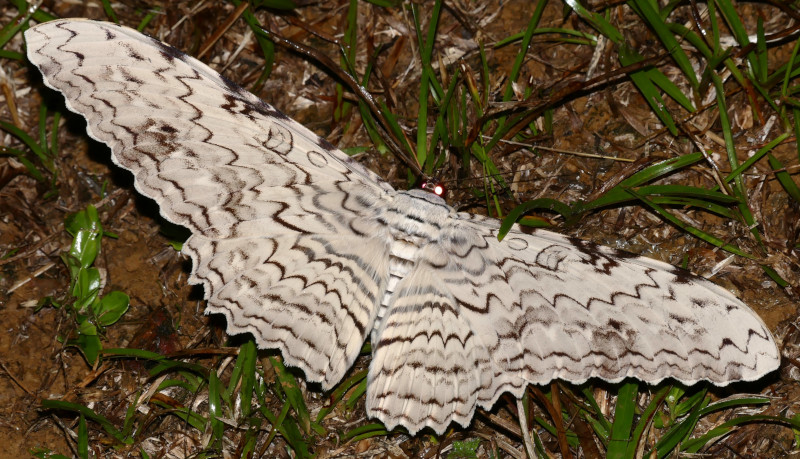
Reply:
x=310, y=252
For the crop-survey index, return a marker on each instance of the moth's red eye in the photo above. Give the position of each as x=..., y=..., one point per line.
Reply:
x=436, y=188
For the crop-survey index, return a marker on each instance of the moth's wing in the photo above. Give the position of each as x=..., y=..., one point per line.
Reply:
x=616, y=315
x=490, y=317
x=278, y=215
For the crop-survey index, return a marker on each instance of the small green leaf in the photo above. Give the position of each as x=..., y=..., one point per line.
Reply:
x=85, y=247
x=111, y=307
x=86, y=327
x=465, y=449
x=84, y=220
x=89, y=345
x=87, y=288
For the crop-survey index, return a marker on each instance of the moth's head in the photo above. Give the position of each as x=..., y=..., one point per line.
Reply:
x=434, y=187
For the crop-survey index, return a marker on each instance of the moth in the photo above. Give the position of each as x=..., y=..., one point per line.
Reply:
x=310, y=252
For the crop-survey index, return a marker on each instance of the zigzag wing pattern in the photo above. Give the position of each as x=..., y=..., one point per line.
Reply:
x=232, y=169
x=541, y=306
x=310, y=252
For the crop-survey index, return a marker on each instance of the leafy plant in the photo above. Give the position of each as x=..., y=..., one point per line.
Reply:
x=91, y=311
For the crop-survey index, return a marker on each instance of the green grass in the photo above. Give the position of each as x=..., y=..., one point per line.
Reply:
x=462, y=118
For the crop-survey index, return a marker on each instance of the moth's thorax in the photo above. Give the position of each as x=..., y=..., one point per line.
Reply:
x=417, y=216
x=415, y=219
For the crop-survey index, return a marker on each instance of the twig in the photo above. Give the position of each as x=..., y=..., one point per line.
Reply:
x=13, y=378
